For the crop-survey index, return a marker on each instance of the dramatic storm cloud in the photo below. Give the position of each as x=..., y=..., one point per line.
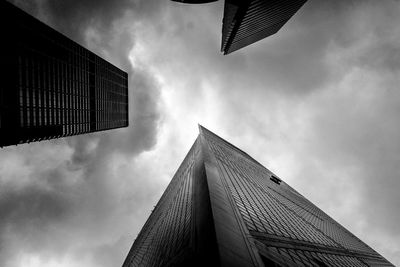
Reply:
x=318, y=104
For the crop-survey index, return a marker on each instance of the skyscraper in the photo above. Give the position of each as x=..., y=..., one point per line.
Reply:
x=53, y=87
x=248, y=21
x=223, y=208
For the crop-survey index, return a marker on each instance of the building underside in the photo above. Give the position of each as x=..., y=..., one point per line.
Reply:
x=248, y=21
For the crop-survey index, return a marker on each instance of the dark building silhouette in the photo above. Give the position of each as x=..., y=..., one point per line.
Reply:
x=248, y=21
x=51, y=86
x=195, y=1
x=223, y=208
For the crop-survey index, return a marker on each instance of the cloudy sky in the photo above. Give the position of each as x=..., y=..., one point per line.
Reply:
x=318, y=104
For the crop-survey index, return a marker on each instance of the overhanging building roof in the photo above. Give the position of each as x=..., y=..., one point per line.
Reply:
x=246, y=22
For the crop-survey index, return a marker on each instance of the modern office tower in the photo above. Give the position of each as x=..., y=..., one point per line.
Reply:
x=51, y=86
x=248, y=21
x=223, y=208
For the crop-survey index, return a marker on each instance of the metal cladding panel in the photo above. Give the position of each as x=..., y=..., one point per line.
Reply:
x=57, y=87
x=286, y=228
x=167, y=232
x=234, y=248
x=223, y=208
x=230, y=12
x=179, y=231
x=246, y=22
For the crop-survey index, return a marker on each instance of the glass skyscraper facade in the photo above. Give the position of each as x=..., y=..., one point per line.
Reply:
x=248, y=21
x=223, y=208
x=53, y=87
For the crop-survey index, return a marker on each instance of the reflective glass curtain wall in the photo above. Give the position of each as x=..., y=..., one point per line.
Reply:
x=53, y=87
x=223, y=208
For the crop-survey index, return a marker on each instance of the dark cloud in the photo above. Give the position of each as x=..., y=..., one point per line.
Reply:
x=74, y=17
x=63, y=210
x=104, y=19
x=293, y=62
x=31, y=206
x=74, y=200
x=321, y=94
x=362, y=134
x=113, y=41
x=320, y=97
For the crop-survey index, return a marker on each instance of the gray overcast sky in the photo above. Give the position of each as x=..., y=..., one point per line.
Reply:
x=318, y=104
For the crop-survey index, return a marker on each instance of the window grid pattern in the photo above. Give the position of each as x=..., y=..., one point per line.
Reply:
x=62, y=89
x=304, y=258
x=55, y=77
x=166, y=235
x=111, y=96
x=54, y=92
x=253, y=20
x=279, y=210
x=264, y=212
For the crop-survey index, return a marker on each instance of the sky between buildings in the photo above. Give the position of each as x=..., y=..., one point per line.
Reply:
x=318, y=104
